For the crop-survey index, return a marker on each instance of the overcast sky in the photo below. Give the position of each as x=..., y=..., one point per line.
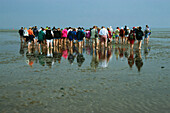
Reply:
x=64, y=13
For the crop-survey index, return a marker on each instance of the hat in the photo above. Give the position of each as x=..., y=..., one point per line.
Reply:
x=30, y=27
x=133, y=27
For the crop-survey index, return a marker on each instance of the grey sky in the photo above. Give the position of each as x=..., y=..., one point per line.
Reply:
x=64, y=13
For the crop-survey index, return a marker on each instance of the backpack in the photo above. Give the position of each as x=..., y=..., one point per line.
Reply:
x=126, y=32
x=131, y=36
x=121, y=31
x=140, y=34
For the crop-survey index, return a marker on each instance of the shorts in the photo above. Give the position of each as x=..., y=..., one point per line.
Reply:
x=126, y=35
x=36, y=37
x=57, y=38
x=71, y=39
x=31, y=37
x=27, y=38
x=103, y=38
x=132, y=41
x=116, y=36
x=95, y=40
x=146, y=35
x=49, y=40
x=80, y=40
x=63, y=37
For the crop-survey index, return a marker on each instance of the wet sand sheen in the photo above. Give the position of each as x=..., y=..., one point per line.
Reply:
x=74, y=89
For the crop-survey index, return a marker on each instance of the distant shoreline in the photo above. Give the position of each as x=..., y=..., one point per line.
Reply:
x=8, y=30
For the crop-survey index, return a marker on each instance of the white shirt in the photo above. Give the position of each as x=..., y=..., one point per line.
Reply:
x=103, y=31
x=26, y=33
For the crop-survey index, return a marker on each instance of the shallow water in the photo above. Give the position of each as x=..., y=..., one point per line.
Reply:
x=104, y=81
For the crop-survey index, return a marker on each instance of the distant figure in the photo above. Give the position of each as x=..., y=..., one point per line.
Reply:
x=57, y=37
x=64, y=36
x=41, y=37
x=117, y=31
x=139, y=37
x=26, y=35
x=21, y=32
x=147, y=33
x=103, y=34
x=87, y=35
x=126, y=29
x=70, y=37
x=80, y=36
x=75, y=37
x=131, y=38
x=94, y=37
x=35, y=31
x=122, y=35
x=109, y=35
x=31, y=37
x=49, y=37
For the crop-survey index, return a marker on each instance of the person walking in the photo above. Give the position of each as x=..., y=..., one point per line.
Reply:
x=21, y=32
x=103, y=34
x=49, y=37
x=139, y=37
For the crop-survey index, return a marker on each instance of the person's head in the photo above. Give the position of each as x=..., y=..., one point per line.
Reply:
x=35, y=27
x=131, y=31
x=21, y=27
x=30, y=27
x=58, y=29
x=133, y=27
x=140, y=27
x=42, y=29
x=117, y=27
x=125, y=27
x=49, y=27
x=25, y=28
x=102, y=27
x=108, y=29
x=74, y=29
x=94, y=27
x=79, y=28
x=147, y=26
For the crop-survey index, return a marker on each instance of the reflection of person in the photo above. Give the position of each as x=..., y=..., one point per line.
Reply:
x=103, y=58
x=146, y=50
x=71, y=56
x=21, y=49
x=95, y=59
x=138, y=60
x=80, y=57
x=131, y=59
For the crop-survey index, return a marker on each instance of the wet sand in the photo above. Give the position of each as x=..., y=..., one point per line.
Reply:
x=68, y=88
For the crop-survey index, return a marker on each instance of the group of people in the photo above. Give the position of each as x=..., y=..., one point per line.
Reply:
x=57, y=37
x=77, y=55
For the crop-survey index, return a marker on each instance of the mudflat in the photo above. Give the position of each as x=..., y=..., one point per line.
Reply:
x=110, y=80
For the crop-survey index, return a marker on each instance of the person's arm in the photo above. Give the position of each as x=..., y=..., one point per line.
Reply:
x=52, y=33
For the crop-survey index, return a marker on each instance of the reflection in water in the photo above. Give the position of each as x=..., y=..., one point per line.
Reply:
x=100, y=58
